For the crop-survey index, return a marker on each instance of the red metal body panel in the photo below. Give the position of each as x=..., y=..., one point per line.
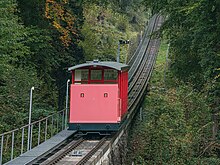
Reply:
x=98, y=96
x=94, y=103
x=123, y=87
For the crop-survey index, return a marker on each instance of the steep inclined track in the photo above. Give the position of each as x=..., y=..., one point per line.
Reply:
x=82, y=151
x=145, y=67
x=57, y=156
x=77, y=152
x=142, y=60
x=144, y=45
x=136, y=53
x=92, y=151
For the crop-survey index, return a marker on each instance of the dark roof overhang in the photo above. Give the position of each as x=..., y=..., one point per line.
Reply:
x=113, y=65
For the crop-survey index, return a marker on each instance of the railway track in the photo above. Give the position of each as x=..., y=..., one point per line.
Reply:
x=141, y=53
x=82, y=151
x=141, y=61
x=136, y=53
x=145, y=67
x=57, y=156
x=76, y=152
x=92, y=151
x=56, y=153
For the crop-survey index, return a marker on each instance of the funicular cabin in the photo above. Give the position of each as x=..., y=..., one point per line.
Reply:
x=98, y=96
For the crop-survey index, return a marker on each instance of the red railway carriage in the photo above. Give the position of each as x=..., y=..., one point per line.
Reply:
x=98, y=96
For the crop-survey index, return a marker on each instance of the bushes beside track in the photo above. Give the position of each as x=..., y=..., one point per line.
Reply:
x=177, y=123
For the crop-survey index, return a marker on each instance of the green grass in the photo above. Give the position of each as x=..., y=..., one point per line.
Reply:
x=161, y=58
x=158, y=72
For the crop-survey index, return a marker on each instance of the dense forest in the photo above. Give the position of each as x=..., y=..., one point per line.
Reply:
x=40, y=39
x=181, y=111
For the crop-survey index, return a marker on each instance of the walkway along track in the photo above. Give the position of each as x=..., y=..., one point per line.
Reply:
x=140, y=71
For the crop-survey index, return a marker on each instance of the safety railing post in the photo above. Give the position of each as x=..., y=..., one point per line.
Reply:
x=63, y=122
x=1, y=153
x=29, y=121
x=31, y=136
x=22, y=140
x=12, y=144
x=38, y=138
x=62, y=114
x=57, y=123
x=52, y=126
x=67, y=97
x=45, y=138
x=141, y=114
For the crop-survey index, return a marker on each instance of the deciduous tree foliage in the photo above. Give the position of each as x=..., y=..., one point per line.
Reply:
x=177, y=123
x=52, y=43
x=193, y=30
x=32, y=54
x=39, y=40
x=62, y=19
x=105, y=23
x=15, y=78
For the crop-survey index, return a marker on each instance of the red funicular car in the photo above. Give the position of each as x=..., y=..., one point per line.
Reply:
x=98, y=96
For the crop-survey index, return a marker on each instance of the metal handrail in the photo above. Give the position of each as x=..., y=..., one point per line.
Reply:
x=16, y=137
x=31, y=123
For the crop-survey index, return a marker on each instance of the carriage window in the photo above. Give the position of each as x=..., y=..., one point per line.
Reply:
x=96, y=74
x=110, y=74
x=81, y=74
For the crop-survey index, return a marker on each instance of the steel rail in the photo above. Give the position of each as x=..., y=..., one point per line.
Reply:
x=138, y=59
x=92, y=152
x=146, y=71
x=140, y=84
x=133, y=57
x=143, y=62
x=62, y=152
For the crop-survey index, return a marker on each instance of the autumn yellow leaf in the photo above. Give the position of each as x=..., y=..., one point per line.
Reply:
x=62, y=19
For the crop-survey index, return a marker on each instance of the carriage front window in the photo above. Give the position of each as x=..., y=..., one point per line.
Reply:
x=81, y=75
x=96, y=74
x=110, y=74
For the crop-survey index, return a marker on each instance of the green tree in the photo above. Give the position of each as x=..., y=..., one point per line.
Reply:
x=15, y=78
x=52, y=43
x=193, y=30
x=177, y=126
